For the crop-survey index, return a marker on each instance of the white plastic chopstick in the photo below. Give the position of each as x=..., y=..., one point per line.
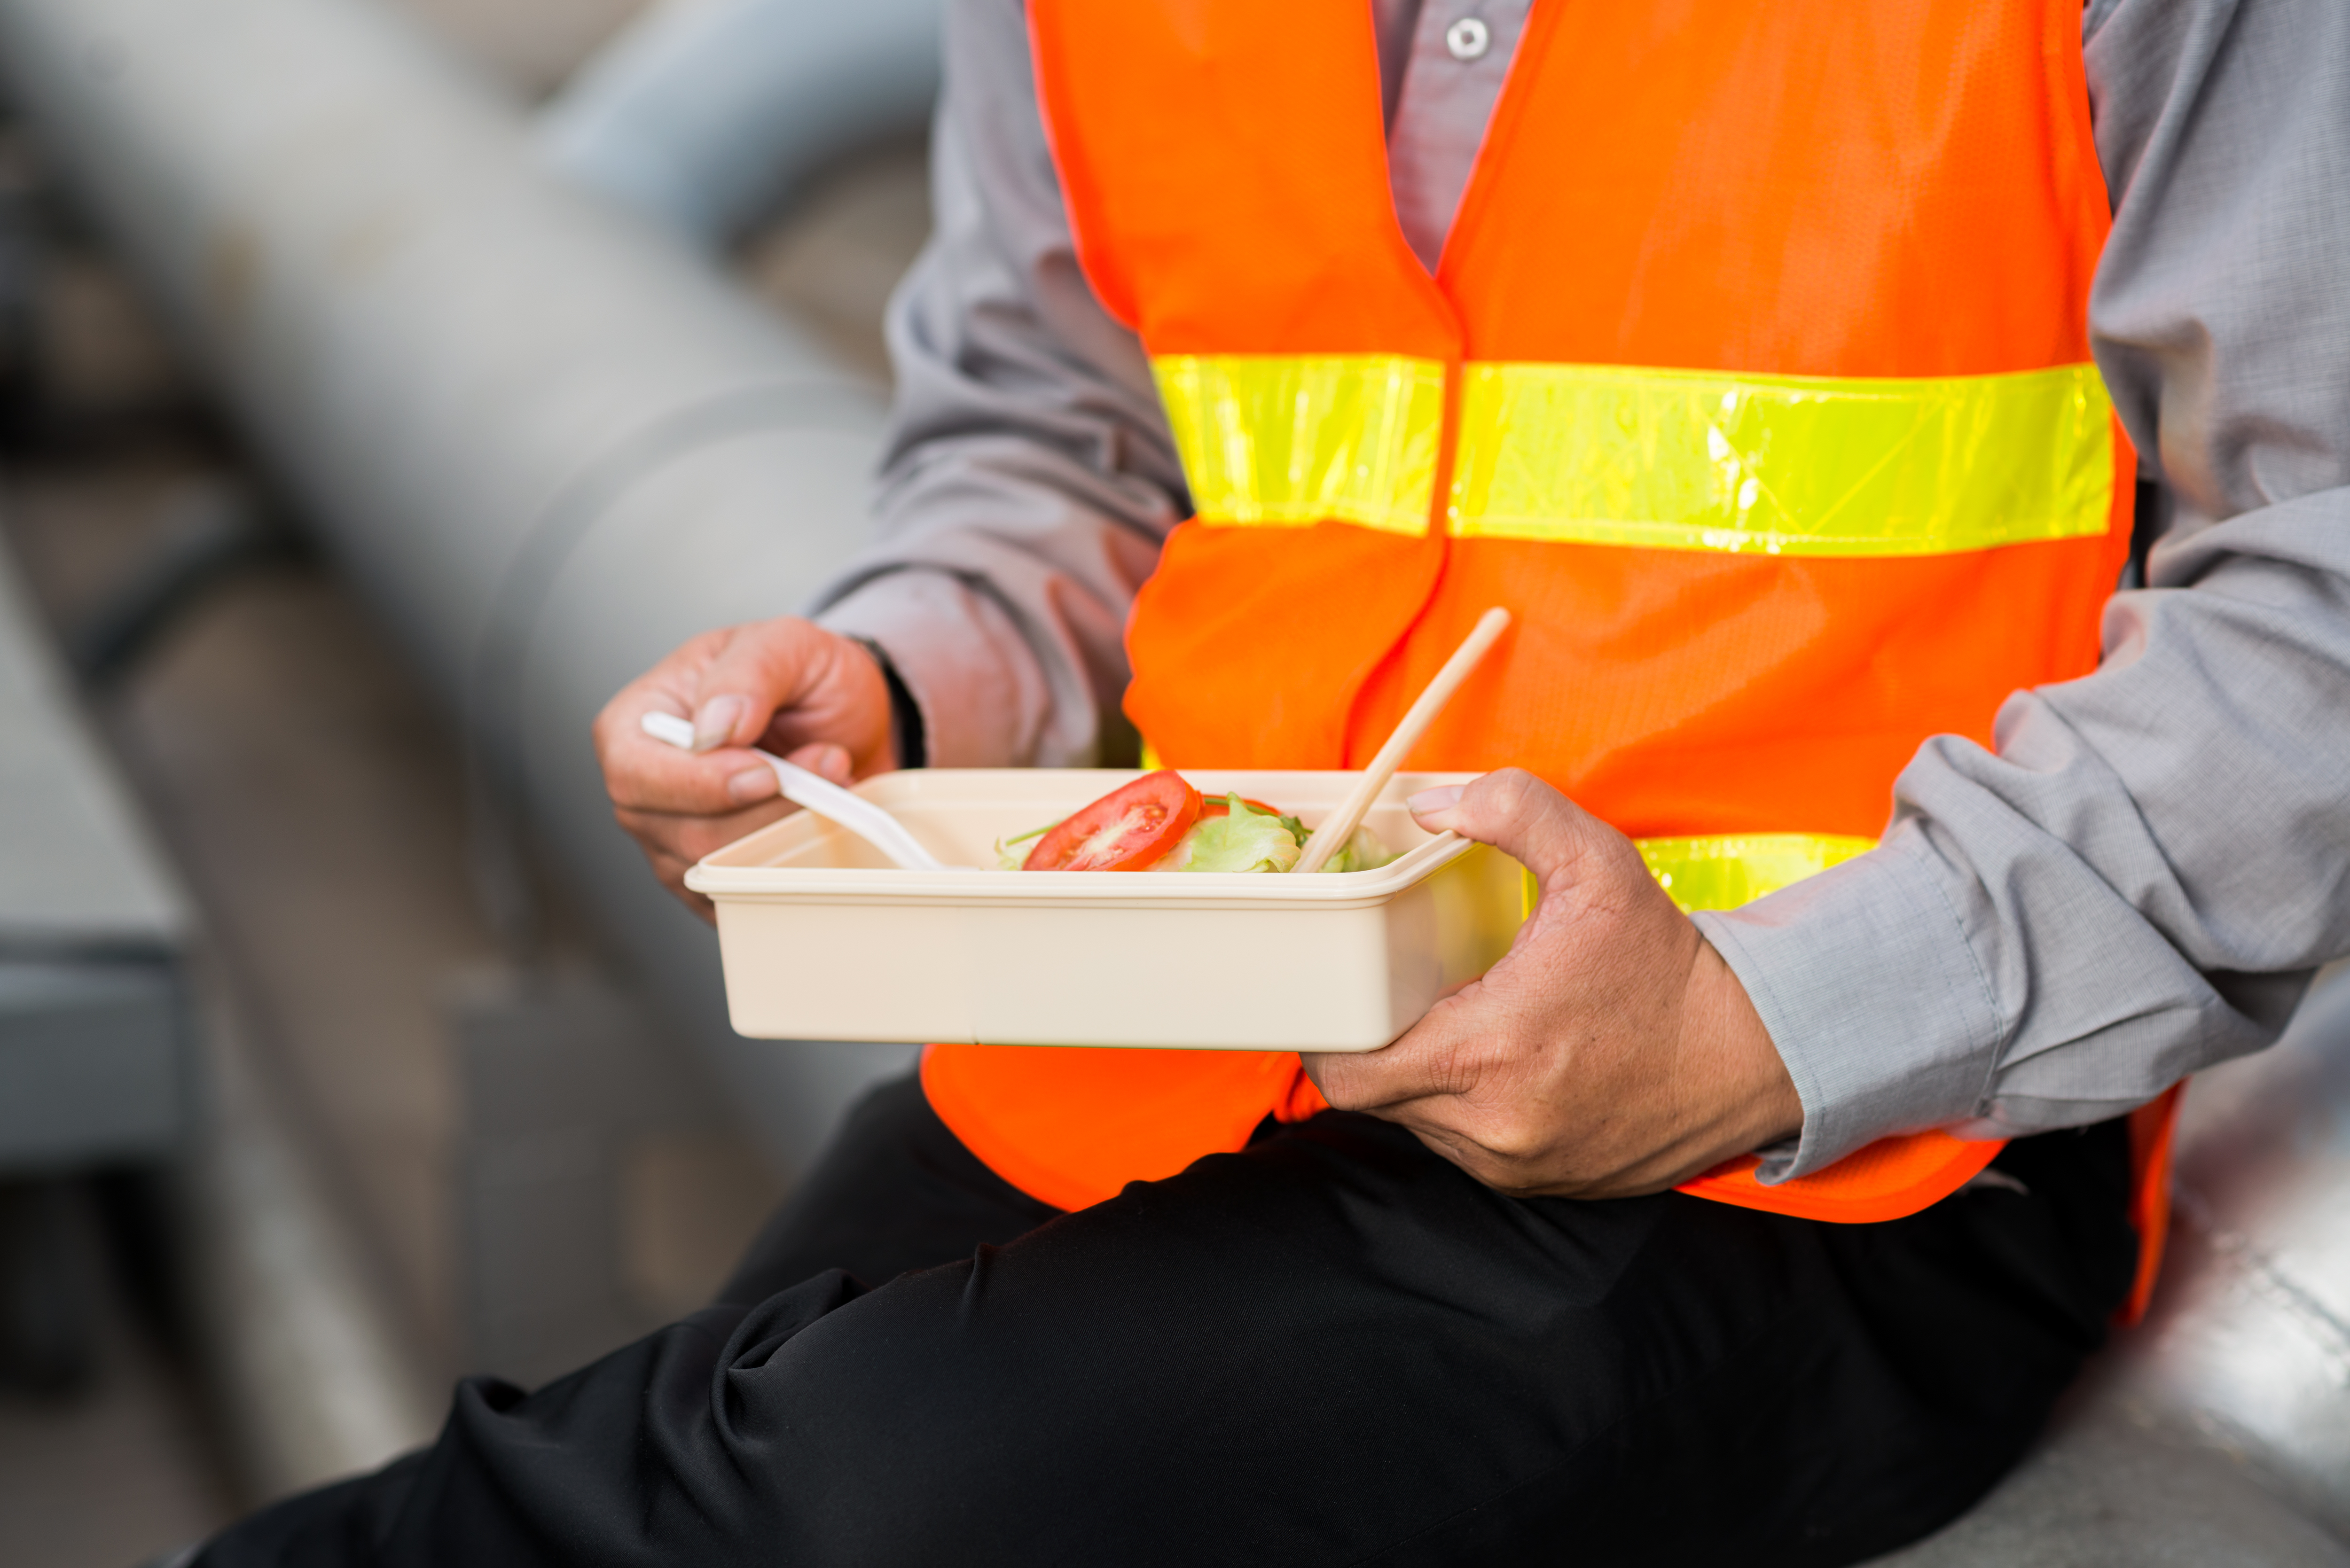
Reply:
x=1340, y=825
x=828, y=799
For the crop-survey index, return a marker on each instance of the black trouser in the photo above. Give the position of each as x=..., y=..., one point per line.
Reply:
x=1331, y=1348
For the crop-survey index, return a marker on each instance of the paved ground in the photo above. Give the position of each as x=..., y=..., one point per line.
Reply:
x=117, y=1472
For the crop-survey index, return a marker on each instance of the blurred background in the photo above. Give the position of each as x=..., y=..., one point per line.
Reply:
x=383, y=383
x=322, y=1078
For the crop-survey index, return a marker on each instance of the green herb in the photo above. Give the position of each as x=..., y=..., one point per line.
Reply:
x=1010, y=858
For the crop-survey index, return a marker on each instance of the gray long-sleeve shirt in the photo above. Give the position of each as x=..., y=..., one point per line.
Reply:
x=2137, y=881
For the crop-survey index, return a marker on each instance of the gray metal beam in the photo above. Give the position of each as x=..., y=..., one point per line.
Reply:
x=94, y=1047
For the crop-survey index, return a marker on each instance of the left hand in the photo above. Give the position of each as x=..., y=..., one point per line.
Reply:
x=1611, y=1052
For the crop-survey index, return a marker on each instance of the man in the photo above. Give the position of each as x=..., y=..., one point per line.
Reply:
x=1744, y=351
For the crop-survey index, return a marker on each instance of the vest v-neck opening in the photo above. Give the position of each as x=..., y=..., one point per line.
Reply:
x=1445, y=106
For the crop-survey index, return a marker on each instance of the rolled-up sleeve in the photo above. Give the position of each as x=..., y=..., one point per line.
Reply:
x=1029, y=479
x=2139, y=879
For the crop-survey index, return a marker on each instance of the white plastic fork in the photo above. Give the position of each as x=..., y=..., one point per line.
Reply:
x=824, y=798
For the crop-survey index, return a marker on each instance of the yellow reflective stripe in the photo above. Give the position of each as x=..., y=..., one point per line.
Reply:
x=1722, y=871
x=1286, y=441
x=1664, y=459
x=1688, y=460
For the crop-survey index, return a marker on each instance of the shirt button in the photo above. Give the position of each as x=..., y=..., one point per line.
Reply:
x=1468, y=40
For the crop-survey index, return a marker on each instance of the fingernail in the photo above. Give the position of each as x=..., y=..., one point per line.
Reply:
x=750, y=785
x=713, y=723
x=1443, y=797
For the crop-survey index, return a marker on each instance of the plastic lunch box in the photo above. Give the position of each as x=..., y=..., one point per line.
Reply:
x=823, y=939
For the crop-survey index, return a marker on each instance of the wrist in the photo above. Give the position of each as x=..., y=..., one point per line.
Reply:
x=908, y=740
x=1756, y=1099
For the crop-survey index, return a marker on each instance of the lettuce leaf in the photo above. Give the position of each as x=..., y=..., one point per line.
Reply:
x=1364, y=852
x=1245, y=840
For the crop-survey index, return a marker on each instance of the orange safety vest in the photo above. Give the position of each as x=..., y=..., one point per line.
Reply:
x=1754, y=382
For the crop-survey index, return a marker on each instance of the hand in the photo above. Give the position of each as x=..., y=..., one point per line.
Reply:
x=1611, y=1052
x=797, y=689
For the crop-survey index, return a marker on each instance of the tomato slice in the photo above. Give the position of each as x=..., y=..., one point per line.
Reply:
x=1223, y=807
x=1125, y=830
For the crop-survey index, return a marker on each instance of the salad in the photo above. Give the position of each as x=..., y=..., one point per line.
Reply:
x=1159, y=823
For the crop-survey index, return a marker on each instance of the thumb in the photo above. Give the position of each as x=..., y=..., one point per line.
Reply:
x=760, y=668
x=1522, y=817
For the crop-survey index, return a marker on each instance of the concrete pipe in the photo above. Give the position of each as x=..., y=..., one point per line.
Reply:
x=545, y=441
x=705, y=115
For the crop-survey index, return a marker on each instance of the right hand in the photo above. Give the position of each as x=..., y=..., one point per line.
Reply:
x=787, y=685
